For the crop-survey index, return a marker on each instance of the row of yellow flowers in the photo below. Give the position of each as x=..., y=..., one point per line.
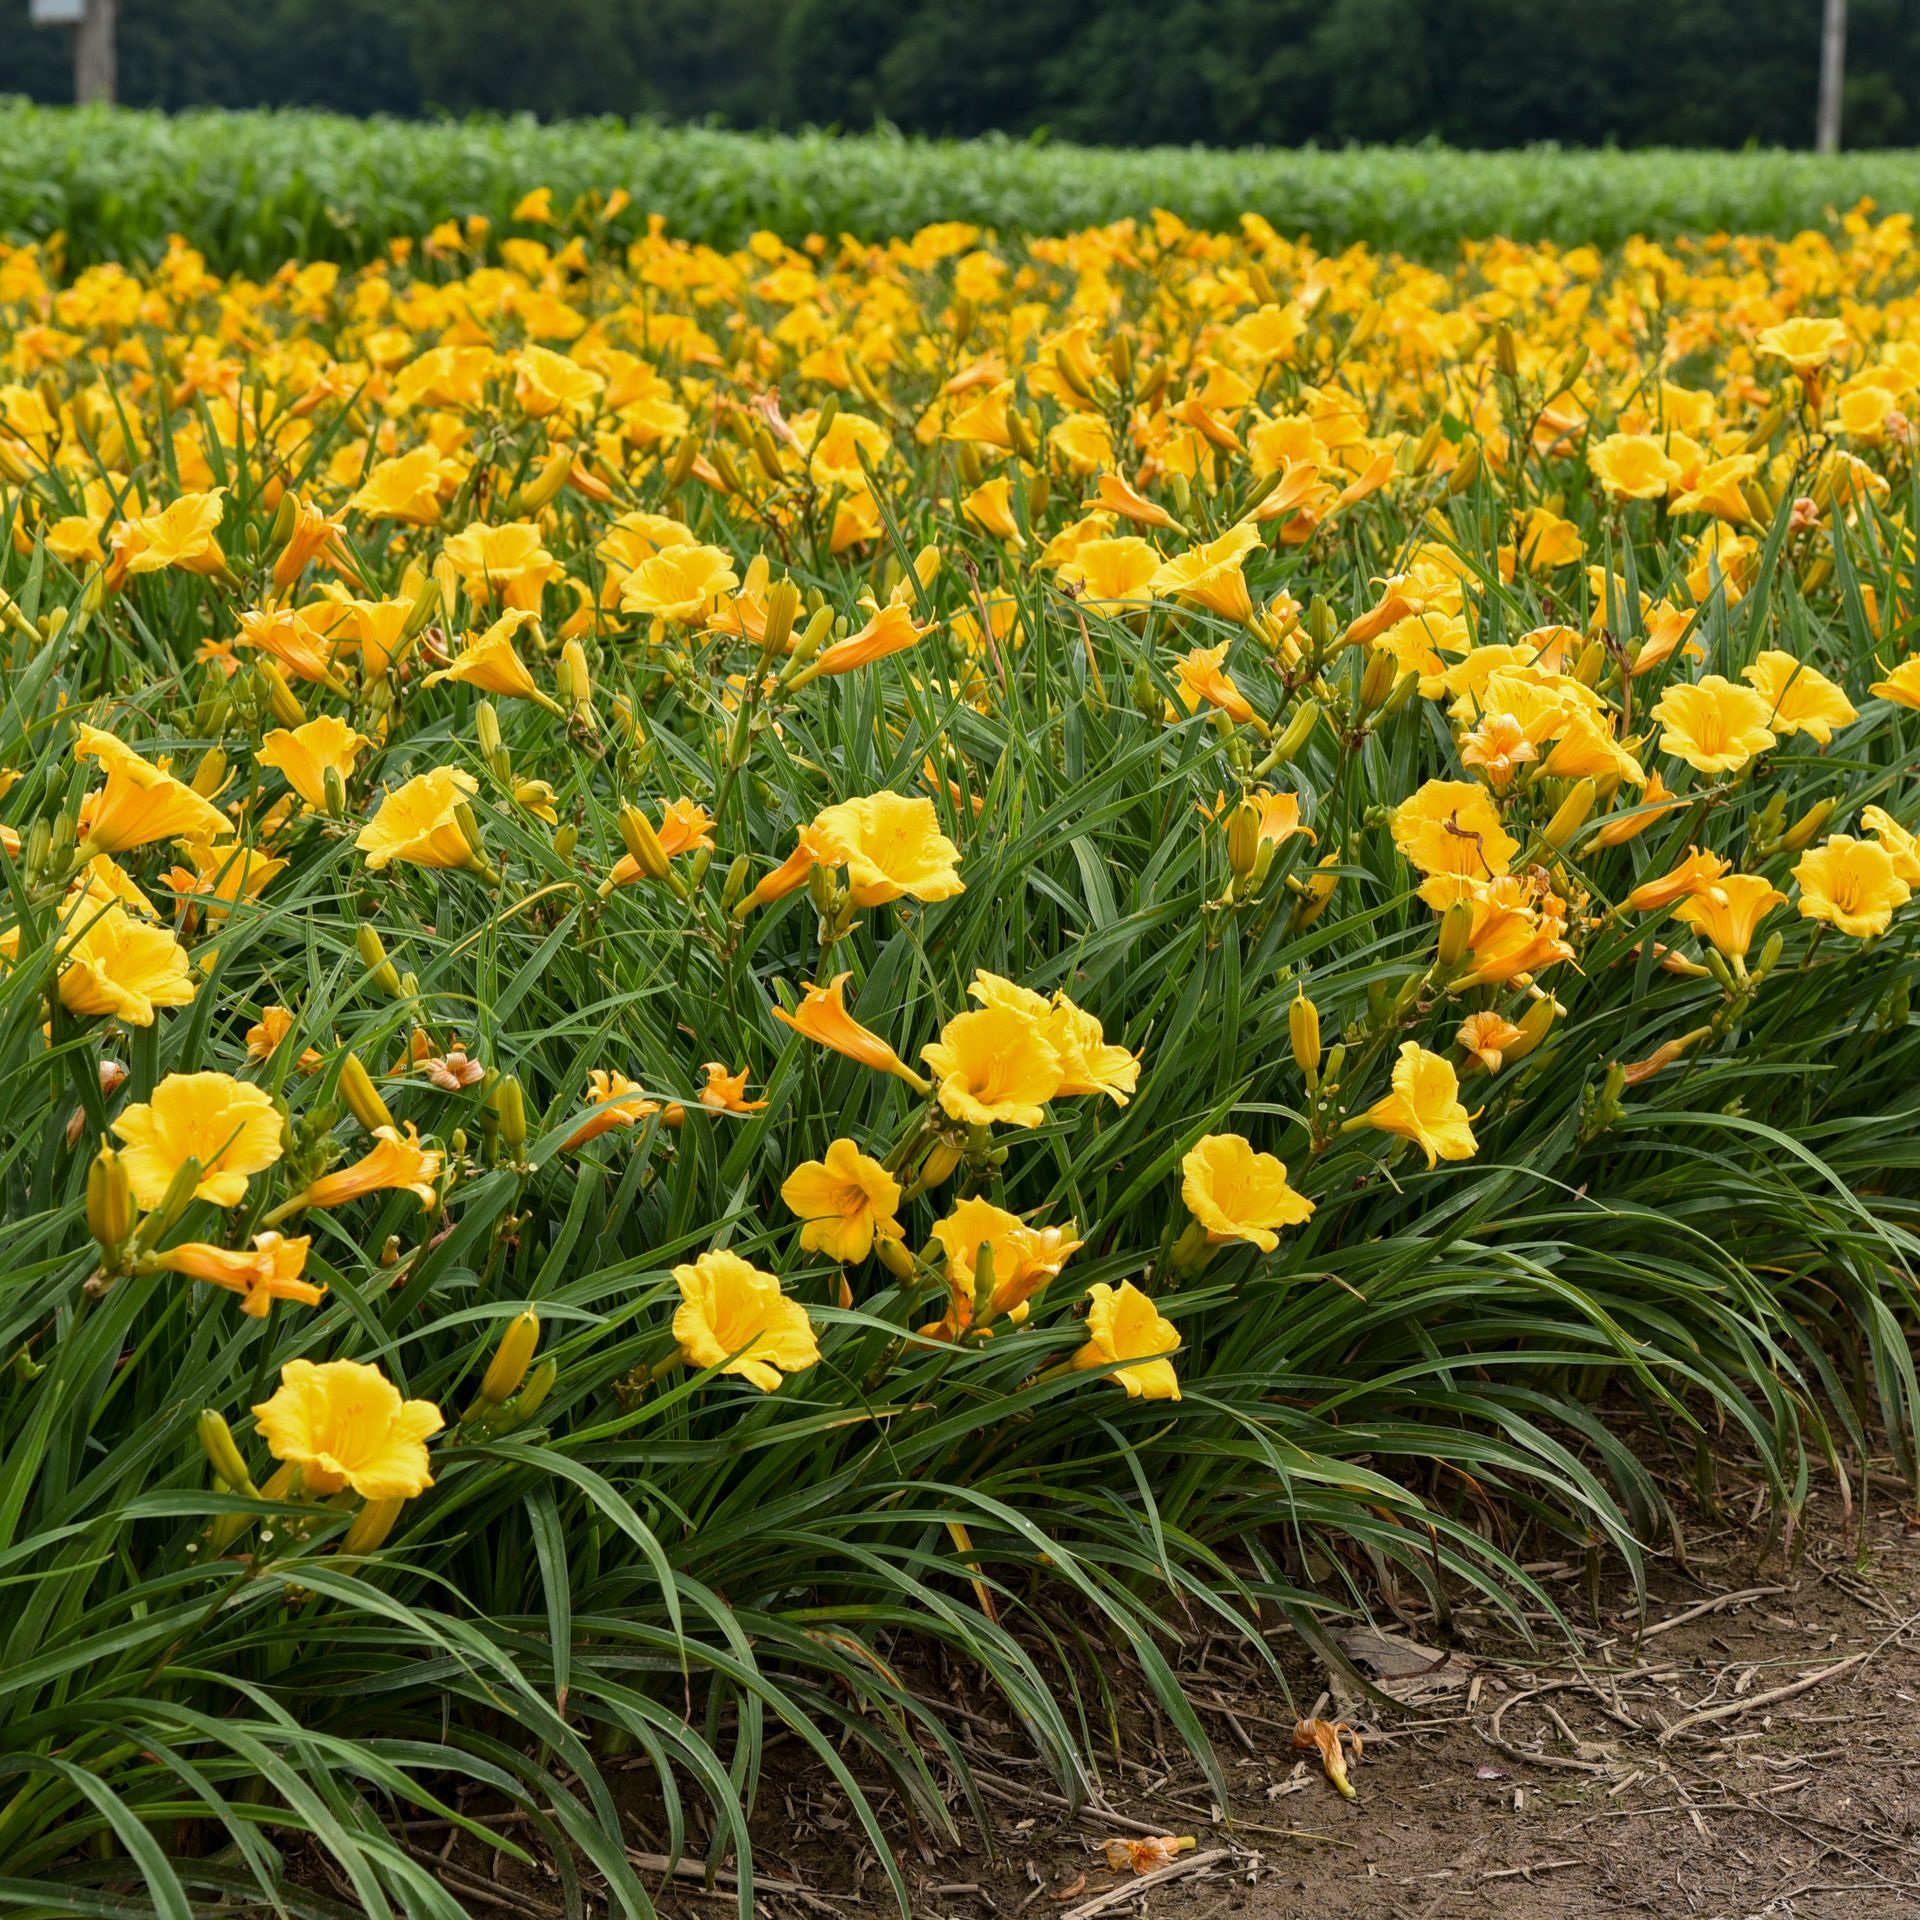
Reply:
x=394, y=499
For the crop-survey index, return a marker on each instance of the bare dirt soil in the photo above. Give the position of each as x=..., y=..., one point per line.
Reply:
x=1746, y=1749
x=1752, y=1754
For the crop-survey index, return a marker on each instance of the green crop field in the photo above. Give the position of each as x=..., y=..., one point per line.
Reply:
x=253, y=189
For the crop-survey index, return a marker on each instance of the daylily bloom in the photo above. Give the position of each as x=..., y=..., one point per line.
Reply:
x=182, y=534
x=892, y=847
x=1634, y=466
x=682, y=584
x=1238, y=1194
x=822, y=1016
x=1728, y=912
x=395, y=1160
x=726, y=1091
x=1697, y=872
x=891, y=629
x=117, y=965
x=1801, y=700
x=269, y=1270
x=304, y=755
x=613, y=1101
x=1450, y=831
x=733, y=1316
x=1806, y=343
x=1425, y=1106
x=1902, y=847
x=263, y=1040
x=1714, y=725
x=490, y=662
x=417, y=823
x=1852, y=885
x=1124, y=1325
x=231, y=1128
x=343, y=1424
x=1901, y=686
x=845, y=1201
x=1022, y=1260
x=1210, y=575
x=1485, y=1037
x=140, y=802
x=1204, y=681
x=994, y=1065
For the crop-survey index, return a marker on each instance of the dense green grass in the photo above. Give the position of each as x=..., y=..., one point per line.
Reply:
x=253, y=189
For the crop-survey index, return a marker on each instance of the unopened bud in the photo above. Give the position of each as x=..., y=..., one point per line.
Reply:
x=371, y=1525
x=509, y=1105
x=362, y=1097
x=1303, y=1030
x=1571, y=815
x=493, y=750
x=1466, y=472
x=1295, y=734
x=643, y=843
x=511, y=1358
x=1456, y=929
x=209, y=773
x=1801, y=833
x=280, y=697
x=469, y=824
x=1379, y=679
x=1533, y=1025
x=373, y=956
x=223, y=1454
x=1506, y=354
x=110, y=1205
x=1243, y=839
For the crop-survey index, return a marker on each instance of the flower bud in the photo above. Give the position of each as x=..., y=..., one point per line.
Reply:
x=426, y=603
x=643, y=843
x=285, y=519
x=1533, y=1025
x=544, y=486
x=1303, y=1029
x=1506, y=354
x=1800, y=834
x=173, y=1203
x=280, y=697
x=469, y=824
x=1379, y=679
x=1770, y=952
x=110, y=1207
x=533, y=1396
x=223, y=1455
x=1466, y=472
x=1243, y=839
x=681, y=465
x=566, y=837
x=1295, y=734
x=576, y=678
x=360, y=1094
x=509, y=1104
x=371, y=1525
x=493, y=750
x=333, y=791
x=1456, y=929
x=209, y=773
x=893, y=1255
x=734, y=889
x=511, y=1358
x=373, y=956
x=1571, y=814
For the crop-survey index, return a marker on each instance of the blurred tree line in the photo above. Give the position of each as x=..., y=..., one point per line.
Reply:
x=1474, y=73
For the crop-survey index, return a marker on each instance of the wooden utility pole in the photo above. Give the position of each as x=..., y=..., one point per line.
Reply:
x=1833, y=67
x=96, y=77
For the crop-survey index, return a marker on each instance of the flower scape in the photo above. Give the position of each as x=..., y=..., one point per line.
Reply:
x=725, y=969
